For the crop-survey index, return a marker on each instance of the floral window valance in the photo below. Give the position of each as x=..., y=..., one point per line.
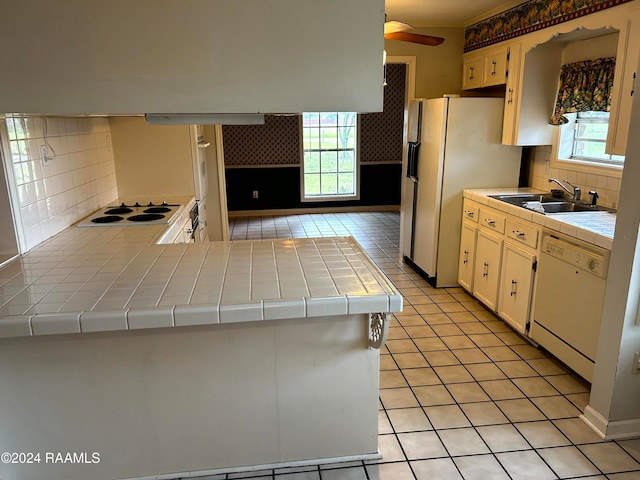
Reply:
x=584, y=86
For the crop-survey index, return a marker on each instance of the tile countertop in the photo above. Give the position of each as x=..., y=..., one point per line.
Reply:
x=593, y=227
x=118, y=278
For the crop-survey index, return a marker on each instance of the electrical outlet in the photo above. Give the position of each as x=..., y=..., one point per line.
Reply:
x=108, y=140
x=636, y=363
x=43, y=154
x=546, y=166
x=255, y=194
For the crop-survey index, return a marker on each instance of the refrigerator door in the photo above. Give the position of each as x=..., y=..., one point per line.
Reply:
x=415, y=114
x=429, y=191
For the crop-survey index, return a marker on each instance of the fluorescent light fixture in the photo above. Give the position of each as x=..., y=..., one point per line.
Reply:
x=205, y=118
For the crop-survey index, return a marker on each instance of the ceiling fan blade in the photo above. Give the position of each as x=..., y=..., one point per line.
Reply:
x=393, y=26
x=415, y=38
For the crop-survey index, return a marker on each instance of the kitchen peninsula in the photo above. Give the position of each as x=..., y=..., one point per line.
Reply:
x=189, y=359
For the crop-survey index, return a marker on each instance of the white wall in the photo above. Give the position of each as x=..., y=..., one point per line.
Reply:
x=79, y=179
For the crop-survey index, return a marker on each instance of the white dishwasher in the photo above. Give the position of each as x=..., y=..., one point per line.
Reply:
x=567, y=308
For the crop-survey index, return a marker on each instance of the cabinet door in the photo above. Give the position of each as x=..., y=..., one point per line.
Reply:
x=486, y=274
x=509, y=129
x=514, y=302
x=625, y=81
x=467, y=255
x=495, y=66
x=472, y=71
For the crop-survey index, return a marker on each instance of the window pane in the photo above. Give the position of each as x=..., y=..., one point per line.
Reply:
x=329, y=184
x=310, y=119
x=311, y=139
x=329, y=119
x=590, y=149
x=329, y=137
x=311, y=184
x=346, y=136
x=347, y=119
x=312, y=162
x=329, y=162
x=594, y=131
x=346, y=161
x=346, y=184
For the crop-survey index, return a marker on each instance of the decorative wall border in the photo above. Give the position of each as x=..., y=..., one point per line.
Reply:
x=529, y=17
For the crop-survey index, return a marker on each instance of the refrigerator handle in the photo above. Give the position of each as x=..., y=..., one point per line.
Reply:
x=412, y=161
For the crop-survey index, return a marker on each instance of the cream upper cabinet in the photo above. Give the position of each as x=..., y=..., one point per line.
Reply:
x=495, y=66
x=485, y=68
x=472, y=76
x=512, y=93
x=624, y=86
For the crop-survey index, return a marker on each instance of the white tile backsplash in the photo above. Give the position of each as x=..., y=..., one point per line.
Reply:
x=78, y=179
x=608, y=187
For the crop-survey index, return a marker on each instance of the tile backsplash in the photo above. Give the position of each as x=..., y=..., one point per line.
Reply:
x=78, y=178
x=608, y=187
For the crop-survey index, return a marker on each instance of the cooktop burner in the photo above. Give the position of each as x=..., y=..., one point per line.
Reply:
x=157, y=210
x=145, y=217
x=117, y=211
x=138, y=213
x=107, y=219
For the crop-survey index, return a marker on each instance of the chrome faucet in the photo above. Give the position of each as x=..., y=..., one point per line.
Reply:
x=576, y=190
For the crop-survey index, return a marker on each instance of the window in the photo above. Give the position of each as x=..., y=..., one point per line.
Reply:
x=329, y=155
x=583, y=139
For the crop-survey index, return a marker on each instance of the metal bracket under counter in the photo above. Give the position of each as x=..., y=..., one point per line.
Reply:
x=378, y=329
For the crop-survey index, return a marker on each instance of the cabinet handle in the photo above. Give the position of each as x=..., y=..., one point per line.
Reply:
x=486, y=269
x=633, y=83
x=470, y=73
x=510, y=97
x=490, y=222
x=513, y=288
x=517, y=233
x=466, y=257
x=468, y=213
x=493, y=68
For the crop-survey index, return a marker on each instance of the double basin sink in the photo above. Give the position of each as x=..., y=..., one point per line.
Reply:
x=547, y=203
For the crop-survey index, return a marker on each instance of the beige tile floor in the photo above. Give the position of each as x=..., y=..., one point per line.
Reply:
x=462, y=396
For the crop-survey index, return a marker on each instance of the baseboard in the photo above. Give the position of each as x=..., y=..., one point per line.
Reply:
x=254, y=468
x=615, y=430
x=303, y=211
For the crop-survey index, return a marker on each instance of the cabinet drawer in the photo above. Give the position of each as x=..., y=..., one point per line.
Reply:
x=470, y=211
x=492, y=220
x=525, y=234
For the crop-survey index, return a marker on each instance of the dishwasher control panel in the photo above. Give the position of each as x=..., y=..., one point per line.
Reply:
x=582, y=255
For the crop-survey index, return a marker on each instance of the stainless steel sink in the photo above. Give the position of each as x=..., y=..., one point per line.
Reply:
x=559, y=207
x=521, y=198
x=550, y=204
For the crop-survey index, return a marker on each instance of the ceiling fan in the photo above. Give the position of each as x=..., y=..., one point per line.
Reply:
x=394, y=30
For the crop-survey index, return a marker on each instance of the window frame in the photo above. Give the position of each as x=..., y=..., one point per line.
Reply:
x=563, y=142
x=356, y=169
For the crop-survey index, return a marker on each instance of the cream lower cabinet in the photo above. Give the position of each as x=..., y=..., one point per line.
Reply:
x=467, y=255
x=497, y=262
x=486, y=275
x=514, y=297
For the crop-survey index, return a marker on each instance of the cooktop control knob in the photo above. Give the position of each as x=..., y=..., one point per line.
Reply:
x=164, y=204
x=150, y=204
x=137, y=204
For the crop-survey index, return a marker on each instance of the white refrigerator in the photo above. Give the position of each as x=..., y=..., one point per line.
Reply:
x=454, y=144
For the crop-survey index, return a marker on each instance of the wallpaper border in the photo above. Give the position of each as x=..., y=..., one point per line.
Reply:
x=529, y=17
